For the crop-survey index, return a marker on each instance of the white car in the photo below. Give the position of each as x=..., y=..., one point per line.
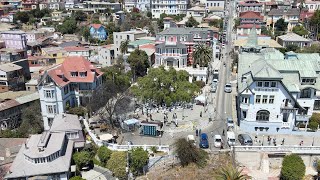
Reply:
x=217, y=141
x=215, y=81
x=228, y=88
x=231, y=138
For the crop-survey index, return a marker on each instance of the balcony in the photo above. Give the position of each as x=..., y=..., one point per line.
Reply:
x=244, y=106
x=302, y=118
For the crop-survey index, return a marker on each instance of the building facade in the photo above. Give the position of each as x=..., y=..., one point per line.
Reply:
x=98, y=31
x=14, y=39
x=176, y=45
x=11, y=77
x=170, y=7
x=276, y=92
x=144, y=5
x=293, y=39
x=66, y=85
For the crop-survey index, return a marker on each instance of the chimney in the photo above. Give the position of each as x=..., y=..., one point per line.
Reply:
x=8, y=153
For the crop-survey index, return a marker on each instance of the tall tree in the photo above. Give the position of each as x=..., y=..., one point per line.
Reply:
x=109, y=100
x=138, y=159
x=82, y=159
x=165, y=86
x=281, y=25
x=124, y=46
x=69, y=26
x=79, y=16
x=31, y=120
x=21, y=16
x=117, y=164
x=104, y=154
x=202, y=55
x=231, y=173
x=191, y=22
x=86, y=33
x=139, y=63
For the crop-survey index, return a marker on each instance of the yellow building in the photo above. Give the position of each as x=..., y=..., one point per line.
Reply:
x=56, y=53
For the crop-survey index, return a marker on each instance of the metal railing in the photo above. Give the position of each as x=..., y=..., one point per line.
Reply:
x=279, y=149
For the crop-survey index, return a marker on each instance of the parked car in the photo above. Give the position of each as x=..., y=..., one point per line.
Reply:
x=228, y=88
x=245, y=139
x=217, y=141
x=231, y=138
x=230, y=123
x=204, y=143
x=215, y=81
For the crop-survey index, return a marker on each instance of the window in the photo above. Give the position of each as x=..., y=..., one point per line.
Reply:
x=51, y=109
x=258, y=98
x=49, y=93
x=273, y=84
x=305, y=93
x=263, y=115
x=271, y=99
x=264, y=99
x=83, y=74
x=245, y=100
x=259, y=84
x=316, y=105
x=266, y=84
x=66, y=90
x=74, y=74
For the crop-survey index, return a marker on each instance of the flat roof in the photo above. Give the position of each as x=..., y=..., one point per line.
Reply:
x=14, y=94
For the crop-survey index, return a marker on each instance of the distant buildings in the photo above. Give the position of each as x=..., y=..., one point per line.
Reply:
x=49, y=154
x=98, y=31
x=11, y=77
x=174, y=7
x=14, y=39
x=290, y=16
x=248, y=20
x=65, y=85
x=250, y=5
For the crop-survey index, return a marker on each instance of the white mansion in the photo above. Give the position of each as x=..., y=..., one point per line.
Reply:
x=276, y=91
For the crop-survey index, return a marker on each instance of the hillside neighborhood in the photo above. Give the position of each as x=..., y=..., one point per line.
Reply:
x=158, y=89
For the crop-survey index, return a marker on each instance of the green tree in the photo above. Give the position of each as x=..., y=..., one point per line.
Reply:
x=300, y=30
x=31, y=120
x=82, y=159
x=79, y=111
x=115, y=73
x=191, y=22
x=314, y=48
x=188, y=153
x=96, y=21
x=104, y=154
x=231, y=173
x=313, y=125
x=117, y=164
x=149, y=14
x=124, y=46
x=216, y=23
x=202, y=55
x=292, y=47
x=139, y=63
x=21, y=16
x=281, y=25
x=69, y=26
x=293, y=168
x=86, y=33
x=138, y=159
x=77, y=178
x=165, y=86
x=79, y=16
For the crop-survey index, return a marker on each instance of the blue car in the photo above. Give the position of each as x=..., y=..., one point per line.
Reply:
x=204, y=143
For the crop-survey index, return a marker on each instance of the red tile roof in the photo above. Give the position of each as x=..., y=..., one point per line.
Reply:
x=248, y=26
x=251, y=15
x=96, y=26
x=74, y=64
x=147, y=46
x=7, y=104
x=75, y=48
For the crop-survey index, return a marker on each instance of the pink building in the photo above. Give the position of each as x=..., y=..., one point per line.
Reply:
x=14, y=39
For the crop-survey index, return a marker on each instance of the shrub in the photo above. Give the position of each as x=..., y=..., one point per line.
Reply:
x=76, y=178
x=315, y=118
x=188, y=153
x=139, y=158
x=117, y=164
x=293, y=168
x=80, y=111
x=200, y=84
x=104, y=154
x=313, y=125
x=82, y=159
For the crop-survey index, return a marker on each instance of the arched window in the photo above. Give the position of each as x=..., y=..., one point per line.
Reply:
x=263, y=115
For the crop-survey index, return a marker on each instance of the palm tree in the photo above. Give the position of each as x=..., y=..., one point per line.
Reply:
x=124, y=46
x=202, y=55
x=231, y=173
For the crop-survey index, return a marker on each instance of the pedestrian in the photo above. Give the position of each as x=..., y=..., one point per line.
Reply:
x=223, y=132
x=151, y=117
x=282, y=142
x=301, y=143
x=221, y=147
x=200, y=113
x=197, y=132
x=256, y=138
x=211, y=133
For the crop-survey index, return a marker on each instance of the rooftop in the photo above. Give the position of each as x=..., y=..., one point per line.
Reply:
x=293, y=37
x=8, y=67
x=96, y=26
x=182, y=30
x=251, y=15
x=65, y=122
x=290, y=12
x=75, y=48
x=14, y=94
x=141, y=42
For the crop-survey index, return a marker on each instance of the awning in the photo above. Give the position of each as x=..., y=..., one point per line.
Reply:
x=131, y=121
x=106, y=137
x=201, y=98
